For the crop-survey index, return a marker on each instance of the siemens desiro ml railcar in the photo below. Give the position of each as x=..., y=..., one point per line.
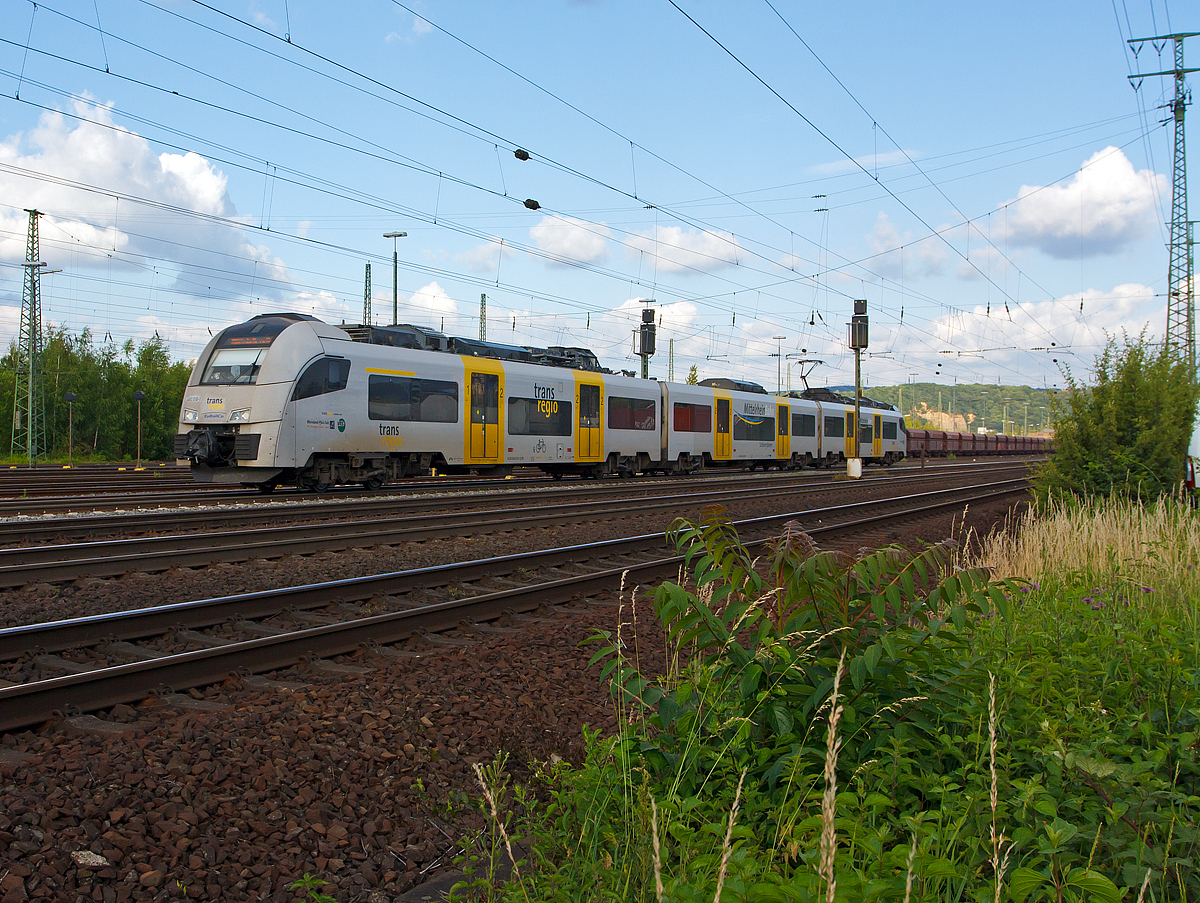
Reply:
x=286, y=398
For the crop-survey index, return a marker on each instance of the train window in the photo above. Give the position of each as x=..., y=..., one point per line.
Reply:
x=783, y=422
x=804, y=424
x=233, y=367
x=761, y=429
x=538, y=417
x=403, y=398
x=329, y=374
x=866, y=432
x=835, y=428
x=631, y=414
x=692, y=418
x=889, y=429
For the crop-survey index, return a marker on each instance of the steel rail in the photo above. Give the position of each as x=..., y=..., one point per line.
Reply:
x=39, y=701
x=23, y=499
x=59, y=635
x=26, y=530
x=58, y=563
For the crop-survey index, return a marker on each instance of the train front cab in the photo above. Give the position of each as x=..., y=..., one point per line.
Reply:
x=234, y=425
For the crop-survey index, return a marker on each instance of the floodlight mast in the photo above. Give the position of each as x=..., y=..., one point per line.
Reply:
x=395, y=273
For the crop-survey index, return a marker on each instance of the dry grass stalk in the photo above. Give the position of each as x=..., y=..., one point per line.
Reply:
x=491, y=801
x=1145, y=884
x=912, y=855
x=727, y=847
x=1154, y=543
x=999, y=862
x=658, y=887
x=829, y=801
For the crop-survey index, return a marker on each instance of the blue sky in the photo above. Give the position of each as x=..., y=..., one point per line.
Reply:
x=984, y=176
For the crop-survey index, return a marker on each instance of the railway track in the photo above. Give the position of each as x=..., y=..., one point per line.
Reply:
x=45, y=491
x=93, y=663
x=380, y=522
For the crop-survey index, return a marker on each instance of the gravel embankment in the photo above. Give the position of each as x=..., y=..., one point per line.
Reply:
x=363, y=779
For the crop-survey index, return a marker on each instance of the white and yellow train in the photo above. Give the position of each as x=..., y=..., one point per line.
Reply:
x=286, y=398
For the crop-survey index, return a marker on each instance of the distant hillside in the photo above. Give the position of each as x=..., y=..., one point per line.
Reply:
x=966, y=407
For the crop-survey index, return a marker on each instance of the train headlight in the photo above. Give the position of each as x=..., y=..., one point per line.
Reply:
x=242, y=416
x=190, y=416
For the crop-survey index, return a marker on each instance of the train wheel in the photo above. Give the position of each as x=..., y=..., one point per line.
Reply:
x=266, y=488
x=373, y=483
x=556, y=475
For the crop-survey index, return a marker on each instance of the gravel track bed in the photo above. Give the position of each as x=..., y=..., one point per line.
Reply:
x=363, y=779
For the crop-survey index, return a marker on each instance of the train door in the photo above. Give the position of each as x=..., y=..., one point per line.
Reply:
x=320, y=411
x=723, y=442
x=851, y=436
x=589, y=441
x=877, y=437
x=484, y=382
x=783, y=439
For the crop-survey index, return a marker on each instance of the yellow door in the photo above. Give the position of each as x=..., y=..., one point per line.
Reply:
x=851, y=436
x=484, y=383
x=877, y=437
x=783, y=430
x=589, y=438
x=723, y=439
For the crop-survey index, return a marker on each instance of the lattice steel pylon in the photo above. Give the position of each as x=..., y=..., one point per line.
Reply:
x=1181, y=292
x=367, y=299
x=29, y=408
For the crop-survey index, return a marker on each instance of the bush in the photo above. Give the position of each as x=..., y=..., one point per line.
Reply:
x=884, y=727
x=1128, y=434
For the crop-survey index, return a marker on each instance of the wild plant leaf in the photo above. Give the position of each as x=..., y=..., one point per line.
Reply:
x=1094, y=883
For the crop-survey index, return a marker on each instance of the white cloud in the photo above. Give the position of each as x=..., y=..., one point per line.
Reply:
x=1106, y=207
x=484, y=258
x=869, y=162
x=571, y=241
x=428, y=305
x=679, y=250
x=207, y=258
x=1071, y=328
x=898, y=255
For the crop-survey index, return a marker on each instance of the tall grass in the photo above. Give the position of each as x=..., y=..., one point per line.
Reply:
x=1032, y=735
x=1155, y=545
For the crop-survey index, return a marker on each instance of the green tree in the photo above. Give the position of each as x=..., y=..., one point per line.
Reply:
x=103, y=379
x=1128, y=433
x=693, y=377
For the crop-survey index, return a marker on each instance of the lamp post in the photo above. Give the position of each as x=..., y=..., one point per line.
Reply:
x=395, y=272
x=1026, y=417
x=70, y=399
x=138, y=396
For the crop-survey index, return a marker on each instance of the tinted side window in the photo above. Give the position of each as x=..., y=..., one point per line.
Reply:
x=835, y=428
x=631, y=414
x=538, y=417
x=329, y=374
x=404, y=398
x=692, y=418
x=804, y=424
x=889, y=429
x=761, y=429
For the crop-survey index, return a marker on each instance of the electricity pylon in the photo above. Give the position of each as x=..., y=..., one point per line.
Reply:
x=29, y=408
x=367, y=299
x=1181, y=293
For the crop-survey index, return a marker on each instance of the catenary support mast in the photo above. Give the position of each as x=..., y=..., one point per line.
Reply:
x=29, y=409
x=1181, y=293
